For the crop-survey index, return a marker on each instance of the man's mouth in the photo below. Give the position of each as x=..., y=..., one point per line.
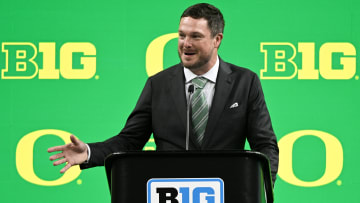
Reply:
x=189, y=53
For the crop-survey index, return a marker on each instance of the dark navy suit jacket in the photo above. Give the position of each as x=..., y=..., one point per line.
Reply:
x=161, y=110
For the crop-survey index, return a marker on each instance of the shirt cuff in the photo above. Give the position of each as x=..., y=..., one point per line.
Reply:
x=89, y=153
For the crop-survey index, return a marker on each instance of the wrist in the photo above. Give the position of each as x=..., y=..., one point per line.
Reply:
x=88, y=153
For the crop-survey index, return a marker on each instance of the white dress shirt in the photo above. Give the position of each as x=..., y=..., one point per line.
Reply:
x=209, y=89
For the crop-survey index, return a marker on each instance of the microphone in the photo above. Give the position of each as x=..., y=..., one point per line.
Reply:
x=190, y=91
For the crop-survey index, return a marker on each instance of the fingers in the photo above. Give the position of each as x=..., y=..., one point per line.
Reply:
x=62, y=147
x=61, y=161
x=56, y=156
x=70, y=149
x=74, y=140
x=65, y=168
x=56, y=148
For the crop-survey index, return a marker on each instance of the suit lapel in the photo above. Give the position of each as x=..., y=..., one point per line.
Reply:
x=177, y=89
x=223, y=88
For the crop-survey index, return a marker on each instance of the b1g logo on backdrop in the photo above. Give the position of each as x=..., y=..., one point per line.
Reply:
x=20, y=60
x=337, y=61
x=188, y=190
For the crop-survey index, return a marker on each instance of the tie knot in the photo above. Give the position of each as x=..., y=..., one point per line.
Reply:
x=199, y=82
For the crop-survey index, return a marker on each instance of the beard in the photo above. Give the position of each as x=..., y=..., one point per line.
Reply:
x=199, y=63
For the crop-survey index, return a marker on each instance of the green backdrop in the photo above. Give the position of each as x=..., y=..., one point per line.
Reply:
x=303, y=51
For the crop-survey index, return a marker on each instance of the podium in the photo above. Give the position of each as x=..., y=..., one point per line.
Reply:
x=189, y=177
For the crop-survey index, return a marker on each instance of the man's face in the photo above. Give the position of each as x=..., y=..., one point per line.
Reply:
x=197, y=48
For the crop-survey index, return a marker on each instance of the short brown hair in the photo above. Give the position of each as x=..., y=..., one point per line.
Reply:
x=212, y=14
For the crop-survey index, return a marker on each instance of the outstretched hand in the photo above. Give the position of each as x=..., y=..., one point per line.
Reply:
x=74, y=153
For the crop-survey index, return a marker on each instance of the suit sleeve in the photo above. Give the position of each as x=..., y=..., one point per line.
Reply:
x=134, y=135
x=260, y=133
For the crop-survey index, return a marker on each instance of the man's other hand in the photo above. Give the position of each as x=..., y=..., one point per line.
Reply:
x=74, y=153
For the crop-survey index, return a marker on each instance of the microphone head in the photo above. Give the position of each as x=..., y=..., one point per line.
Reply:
x=191, y=89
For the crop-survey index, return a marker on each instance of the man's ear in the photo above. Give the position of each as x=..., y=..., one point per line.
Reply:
x=217, y=40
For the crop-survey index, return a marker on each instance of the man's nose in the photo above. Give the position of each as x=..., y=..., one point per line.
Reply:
x=187, y=42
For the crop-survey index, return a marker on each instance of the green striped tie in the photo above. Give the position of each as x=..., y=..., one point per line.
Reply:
x=199, y=108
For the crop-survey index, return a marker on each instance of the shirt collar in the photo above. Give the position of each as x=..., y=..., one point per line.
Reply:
x=211, y=75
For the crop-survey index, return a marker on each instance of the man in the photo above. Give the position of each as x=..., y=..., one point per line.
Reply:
x=228, y=105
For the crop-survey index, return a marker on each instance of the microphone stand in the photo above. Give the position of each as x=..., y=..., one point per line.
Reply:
x=190, y=91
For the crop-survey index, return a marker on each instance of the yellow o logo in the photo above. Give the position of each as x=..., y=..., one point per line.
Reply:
x=155, y=53
x=334, y=158
x=24, y=158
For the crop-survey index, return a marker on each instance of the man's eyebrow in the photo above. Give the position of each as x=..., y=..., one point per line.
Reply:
x=197, y=33
x=191, y=33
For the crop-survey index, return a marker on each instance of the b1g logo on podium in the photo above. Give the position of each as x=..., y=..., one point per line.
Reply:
x=185, y=190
